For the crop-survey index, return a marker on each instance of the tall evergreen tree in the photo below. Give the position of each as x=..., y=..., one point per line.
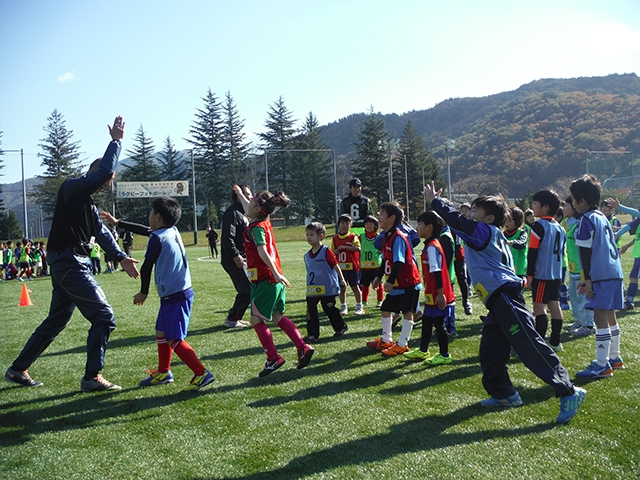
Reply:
x=312, y=190
x=234, y=146
x=371, y=163
x=143, y=167
x=9, y=225
x=60, y=159
x=419, y=162
x=208, y=160
x=279, y=136
x=172, y=166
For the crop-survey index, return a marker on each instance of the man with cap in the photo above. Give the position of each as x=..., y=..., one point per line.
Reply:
x=356, y=205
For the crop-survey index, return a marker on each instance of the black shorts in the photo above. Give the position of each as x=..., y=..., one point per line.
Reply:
x=352, y=277
x=545, y=291
x=407, y=302
x=367, y=276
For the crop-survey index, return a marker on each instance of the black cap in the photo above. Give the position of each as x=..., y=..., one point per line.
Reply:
x=355, y=182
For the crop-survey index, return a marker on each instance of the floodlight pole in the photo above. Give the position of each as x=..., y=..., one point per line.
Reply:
x=449, y=145
x=24, y=192
x=195, y=212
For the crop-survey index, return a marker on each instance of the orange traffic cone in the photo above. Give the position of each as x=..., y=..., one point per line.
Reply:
x=25, y=299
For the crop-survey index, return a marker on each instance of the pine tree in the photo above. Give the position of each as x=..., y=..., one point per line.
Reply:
x=172, y=165
x=235, y=148
x=371, y=163
x=208, y=160
x=143, y=167
x=279, y=136
x=312, y=188
x=419, y=161
x=9, y=225
x=60, y=159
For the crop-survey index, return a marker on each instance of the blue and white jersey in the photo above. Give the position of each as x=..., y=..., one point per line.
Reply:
x=486, y=251
x=322, y=279
x=594, y=231
x=166, y=250
x=549, y=238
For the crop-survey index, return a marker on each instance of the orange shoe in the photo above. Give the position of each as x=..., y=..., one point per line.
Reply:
x=394, y=350
x=378, y=344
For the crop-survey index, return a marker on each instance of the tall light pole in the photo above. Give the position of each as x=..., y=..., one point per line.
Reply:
x=195, y=212
x=449, y=145
x=24, y=192
x=389, y=145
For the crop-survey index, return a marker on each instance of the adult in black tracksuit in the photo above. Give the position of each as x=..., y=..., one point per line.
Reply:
x=233, y=259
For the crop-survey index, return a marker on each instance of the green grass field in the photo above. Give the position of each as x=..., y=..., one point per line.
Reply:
x=350, y=414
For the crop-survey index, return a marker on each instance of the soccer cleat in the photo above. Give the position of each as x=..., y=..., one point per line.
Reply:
x=628, y=306
x=583, y=331
x=271, y=366
x=556, y=348
x=342, y=331
x=98, y=384
x=364, y=303
x=235, y=324
x=565, y=306
x=616, y=363
x=21, y=378
x=379, y=304
x=512, y=401
x=157, y=378
x=304, y=356
x=416, y=354
x=200, y=381
x=468, y=309
x=569, y=404
x=359, y=311
x=438, y=359
x=378, y=344
x=310, y=339
x=594, y=370
x=397, y=318
x=417, y=317
x=394, y=350
x=573, y=326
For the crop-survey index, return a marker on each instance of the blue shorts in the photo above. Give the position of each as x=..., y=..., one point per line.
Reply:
x=352, y=277
x=174, y=315
x=609, y=295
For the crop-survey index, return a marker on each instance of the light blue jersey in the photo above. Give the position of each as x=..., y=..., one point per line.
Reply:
x=594, y=232
x=322, y=279
x=165, y=248
x=549, y=238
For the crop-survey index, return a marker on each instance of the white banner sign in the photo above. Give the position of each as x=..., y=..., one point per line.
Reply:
x=169, y=188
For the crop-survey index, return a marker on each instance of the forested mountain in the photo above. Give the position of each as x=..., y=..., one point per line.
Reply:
x=528, y=138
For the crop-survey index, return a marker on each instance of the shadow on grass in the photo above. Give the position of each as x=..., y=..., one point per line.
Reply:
x=77, y=410
x=400, y=439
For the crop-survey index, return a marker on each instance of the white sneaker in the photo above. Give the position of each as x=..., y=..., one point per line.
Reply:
x=360, y=311
x=237, y=324
x=344, y=310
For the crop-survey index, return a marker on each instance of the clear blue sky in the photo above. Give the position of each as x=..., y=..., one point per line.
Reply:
x=153, y=61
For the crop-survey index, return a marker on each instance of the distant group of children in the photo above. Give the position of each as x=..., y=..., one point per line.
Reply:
x=26, y=260
x=497, y=249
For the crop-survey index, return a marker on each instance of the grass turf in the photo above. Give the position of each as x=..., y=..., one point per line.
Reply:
x=350, y=414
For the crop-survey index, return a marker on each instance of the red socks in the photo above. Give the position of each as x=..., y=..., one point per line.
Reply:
x=288, y=327
x=188, y=356
x=266, y=340
x=164, y=355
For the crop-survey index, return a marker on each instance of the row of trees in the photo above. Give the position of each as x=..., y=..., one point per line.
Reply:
x=291, y=158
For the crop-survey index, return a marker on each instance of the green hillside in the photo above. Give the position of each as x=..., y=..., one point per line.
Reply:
x=528, y=138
